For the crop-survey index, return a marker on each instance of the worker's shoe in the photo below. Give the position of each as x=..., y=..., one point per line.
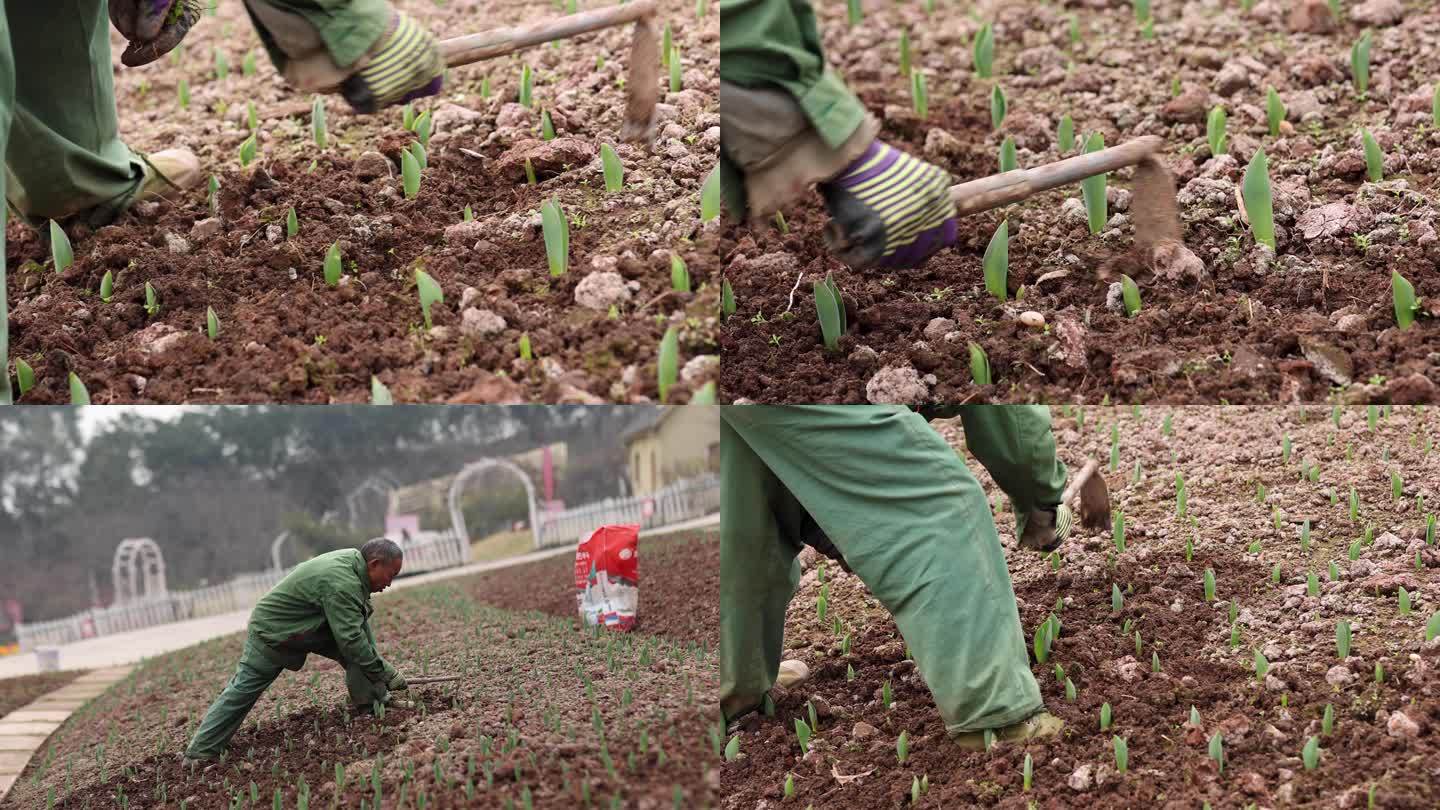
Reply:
x=1037, y=726
x=168, y=171
x=889, y=210
x=1047, y=527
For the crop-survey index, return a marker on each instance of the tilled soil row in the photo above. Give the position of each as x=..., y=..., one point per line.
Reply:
x=22, y=690
x=1383, y=736
x=1253, y=327
x=285, y=336
x=546, y=715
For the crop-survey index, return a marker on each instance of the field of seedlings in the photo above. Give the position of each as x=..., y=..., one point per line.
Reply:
x=1304, y=139
x=498, y=243
x=1257, y=629
x=547, y=715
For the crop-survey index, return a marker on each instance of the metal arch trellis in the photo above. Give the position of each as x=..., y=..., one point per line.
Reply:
x=383, y=483
x=138, y=561
x=457, y=518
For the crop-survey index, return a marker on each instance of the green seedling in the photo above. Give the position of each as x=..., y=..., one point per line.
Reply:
x=1430, y=534
x=614, y=170
x=1432, y=627
x=679, y=274
x=1334, y=571
x=1312, y=584
x=1262, y=665
x=1105, y=716
x=1181, y=499
x=417, y=151
x=78, y=394
x=902, y=747
x=466, y=215
x=247, y=65
x=1327, y=720
x=252, y=118
x=332, y=265
x=485, y=87
x=789, y=786
x=1209, y=584
x=983, y=50
x=1407, y=306
x=732, y=748
x=379, y=393
x=1117, y=599
x=919, y=95
x=1286, y=447
x=1070, y=691
x=1404, y=597
x=222, y=65
x=905, y=52
x=707, y=394
x=1117, y=531
x=107, y=287
x=182, y=94
x=1122, y=754
x=292, y=223
x=1041, y=642
x=429, y=292
x=1217, y=751
x=409, y=174
x=980, y=365
x=667, y=364
x=727, y=299
x=1274, y=111
x=1065, y=135
x=1397, y=486
x=1130, y=295
x=527, y=85
x=1215, y=130
x=424, y=124
x=1342, y=639
x=152, y=301
x=997, y=262
x=1354, y=552
x=710, y=196
x=60, y=250
x=1259, y=207
x=998, y=107
x=547, y=126
x=212, y=323
x=802, y=734
x=667, y=42
x=830, y=308
x=1360, y=63
x=1305, y=536
x=1374, y=158
x=525, y=353
x=1310, y=754
x=318, y=128
x=854, y=13
x=1009, y=162
x=556, y=229
x=1093, y=189
x=212, y=196
x=247, y=151
x=530, y=178
x=887, y=696
x=676, y=78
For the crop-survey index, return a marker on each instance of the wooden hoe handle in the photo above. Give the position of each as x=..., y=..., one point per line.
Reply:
x=1014, y=186
x=473, y=48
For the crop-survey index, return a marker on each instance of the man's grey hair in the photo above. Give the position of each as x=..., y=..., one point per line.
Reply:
x=382, y=549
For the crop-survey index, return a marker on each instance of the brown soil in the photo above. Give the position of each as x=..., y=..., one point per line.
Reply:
x=285, y=336
x=1264, y=723
x=546, y=710
x=1263, y=333
x=23, y=690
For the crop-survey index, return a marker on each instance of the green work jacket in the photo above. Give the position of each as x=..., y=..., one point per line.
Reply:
x=325, y=597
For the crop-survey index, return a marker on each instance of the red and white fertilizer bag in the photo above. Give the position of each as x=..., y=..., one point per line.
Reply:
x=607, y=577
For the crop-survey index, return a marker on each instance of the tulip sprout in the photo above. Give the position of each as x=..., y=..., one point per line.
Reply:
x=668, y=362
x=802, y=734
x=1008, y=160
x=1117, y=531
x=1262, y=665
x=1122, y=754
x=182, y=92
x=1360, y=63
x=524, y=345
x=409, y=174
x=107, y=287
x=997, y=262
x=1274, y=111
x=830, y=308
x=1209, y=584
x=1105, y=715
x=332, y=265
x=1130, y=295
x=1217, y=751
x=379, y=393
x=613, y=170
x=1117, y=599
x=1342, y=639
x=530, y=178
x=527, y=85
x=78, y=394
x=679, y=274
x=1065, y=135
x=998, y=107
x=318, y=128
x=429, y=292
x=60, y=249
x=902, y=747
x=547, y=126
x=1374, y=158
x=557, y=237
x=979, y=365
x=983, y=50
x=905, y=52
x=212, y=323
x=1093, y=189
x=919, y=95
x=727, y=299
x=1215, y=131
x=247, y=151
x=1407, y=306
x=1310, y=754
x=710, y=196
x=152, y=301
x=1259, y=207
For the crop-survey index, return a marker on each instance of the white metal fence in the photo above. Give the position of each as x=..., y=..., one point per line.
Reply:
x=683, y=500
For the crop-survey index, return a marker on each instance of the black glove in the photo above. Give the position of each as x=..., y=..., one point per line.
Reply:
x=154, y=27
x=812, y=535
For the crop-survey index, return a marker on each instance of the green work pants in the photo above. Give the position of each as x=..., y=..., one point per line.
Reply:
x=258, y=668
x=912, y=522
x=1014, y=443
x=775, y=44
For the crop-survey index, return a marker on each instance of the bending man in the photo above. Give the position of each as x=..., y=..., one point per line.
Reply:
x=321, y=607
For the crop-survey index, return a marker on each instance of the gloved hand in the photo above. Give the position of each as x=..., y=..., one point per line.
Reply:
x=1047, y=527
x=889, y=210
x=397, y=683
x=154, y=27
x=406, y=66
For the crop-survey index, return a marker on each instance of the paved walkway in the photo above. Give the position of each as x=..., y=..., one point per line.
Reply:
x=128, y=648
x=24, y=731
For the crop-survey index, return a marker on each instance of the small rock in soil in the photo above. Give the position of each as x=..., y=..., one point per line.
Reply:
x=600, y=290
x=371, y=165
x=863, y=731
x=1330, y=362
x=700, y=368
x=941, y=144
x=896, y=385
x=1190, y=107
x=792, y=672
x=1416, y=389
x=491, y=389
x=481, y=323
x=465, y=233
x=1378, y=13
x=1334, y=219
x=176, y=243
x=158, y=338
x=1032, y=319
x=1310, y=17
x=1400, y=725
x=205, y=228
x=1115, y=298
x=1339, y=675
x=548, y=158
x=865, y=356
x=1172, y=261
x=937, y=328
